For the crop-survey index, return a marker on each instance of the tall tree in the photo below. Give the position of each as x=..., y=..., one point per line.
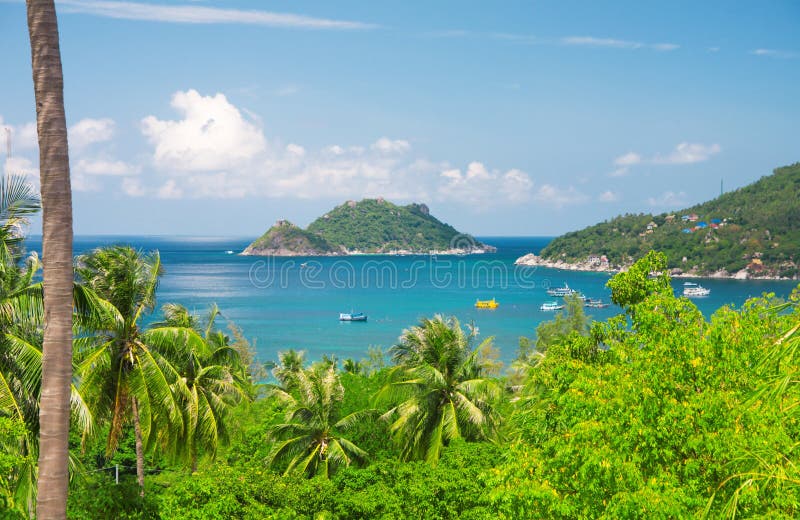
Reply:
x=311, y=441
x=122, y=377
x=51, y=125
x=438, y=391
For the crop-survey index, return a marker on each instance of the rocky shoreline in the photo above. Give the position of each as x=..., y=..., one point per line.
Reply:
x=250, y=251
x=593, y=265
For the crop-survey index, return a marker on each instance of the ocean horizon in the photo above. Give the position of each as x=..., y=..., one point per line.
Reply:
x=294, y=302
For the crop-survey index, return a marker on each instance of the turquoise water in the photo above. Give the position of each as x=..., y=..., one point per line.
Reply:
x=281, y=305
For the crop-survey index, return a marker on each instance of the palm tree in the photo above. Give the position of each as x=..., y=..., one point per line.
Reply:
x=310, y=442
x=437, y=391
x=122, y=377
x=213, y=379
x=51, y=123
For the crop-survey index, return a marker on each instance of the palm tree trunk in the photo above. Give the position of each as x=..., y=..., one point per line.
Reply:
x=54, y=409
x=139, y=448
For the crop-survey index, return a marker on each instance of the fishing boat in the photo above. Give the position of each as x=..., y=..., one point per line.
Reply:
x=560, y=291
x=693, y=290
x=486, y=304
x=352, y=316
x=595, y=303
x=551, y=306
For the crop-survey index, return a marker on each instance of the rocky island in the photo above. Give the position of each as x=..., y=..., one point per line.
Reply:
x=371, y=226
x=752, y=232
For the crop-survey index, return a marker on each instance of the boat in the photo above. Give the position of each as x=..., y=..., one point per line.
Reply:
x=560, y=291
x=551, y=306
x=595, y=303
x=229, y=252
x=486, y=304
x=352, y=316
x=693, y=290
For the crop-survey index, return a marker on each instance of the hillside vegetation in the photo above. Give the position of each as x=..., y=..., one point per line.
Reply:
x=368, y=226
x=285, y=238
x=756, y=228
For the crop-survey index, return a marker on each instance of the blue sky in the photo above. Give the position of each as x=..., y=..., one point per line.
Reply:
x=506, y=118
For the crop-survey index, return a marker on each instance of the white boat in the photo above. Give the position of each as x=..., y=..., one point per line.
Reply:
x=229, y=252
x=551, y=306
x=693, y=290
x=352, y=316
x=561, y=291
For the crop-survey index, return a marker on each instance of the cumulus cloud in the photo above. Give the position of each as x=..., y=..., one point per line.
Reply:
x=608, y=196
x=89, y=131
x=105, y=167
x=386, y=145
x=669, y=199
x=684, y=153
x=21, y=166
x=479, y=185
x=554, y=196
x=212, y=134
x=132, y=186
x=688, y=153
x=212, y=150
x=169, y=190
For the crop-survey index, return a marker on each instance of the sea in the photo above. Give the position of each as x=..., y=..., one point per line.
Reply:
x=294, y=303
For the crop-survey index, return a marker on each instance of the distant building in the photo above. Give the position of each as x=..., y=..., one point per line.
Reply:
x=669, y=218
x=686, y=230
x=701, y=225
x=693, y=217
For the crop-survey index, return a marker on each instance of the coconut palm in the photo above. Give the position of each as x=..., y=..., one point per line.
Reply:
x=213, y=379
x=122, y=377
x=437, y=391
x=311, y=441
x=51, y=124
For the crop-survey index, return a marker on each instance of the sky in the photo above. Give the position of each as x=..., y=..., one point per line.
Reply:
x=218, y=118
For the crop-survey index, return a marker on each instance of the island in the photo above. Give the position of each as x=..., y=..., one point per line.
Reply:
x=752, y=232
x=371, y=226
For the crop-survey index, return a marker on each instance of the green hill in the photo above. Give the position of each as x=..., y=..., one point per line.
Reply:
x=756, y=227
x=368, y=226
x=286, y=239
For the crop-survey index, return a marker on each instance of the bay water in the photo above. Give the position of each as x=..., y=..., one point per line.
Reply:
x=283, y=303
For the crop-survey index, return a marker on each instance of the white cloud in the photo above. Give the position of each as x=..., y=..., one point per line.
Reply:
x=23, y=137
x=684, y=153
x=192, y=14
x=629, y=159
x=89, y=131
x=669, y=199
x=105, y=167
x=132, y=186
x=608, y=196
x=591, y=41
x=614, y=43
x=211, y=135
x=295, y=149
x=169, y=190
x=689, y=153
x=479, y=185
x=386, y=145
x=21, y=166
x=211, y=151
x=559, y=197
x=773, y=53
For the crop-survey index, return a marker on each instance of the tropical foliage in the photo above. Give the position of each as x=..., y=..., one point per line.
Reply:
x=759, y=223
x=657, y=412
x=437, y=391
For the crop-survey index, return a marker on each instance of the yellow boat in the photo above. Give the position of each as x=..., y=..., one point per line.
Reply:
x=486, y=304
